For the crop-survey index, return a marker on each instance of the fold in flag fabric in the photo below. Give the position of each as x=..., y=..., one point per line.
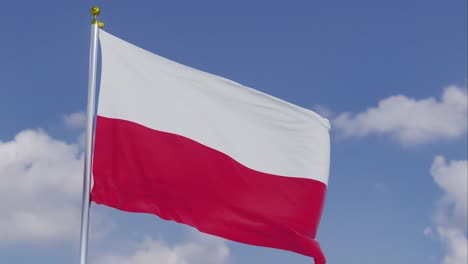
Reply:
x=207, y=152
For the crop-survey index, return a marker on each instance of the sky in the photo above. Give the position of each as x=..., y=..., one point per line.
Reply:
x=391, y=76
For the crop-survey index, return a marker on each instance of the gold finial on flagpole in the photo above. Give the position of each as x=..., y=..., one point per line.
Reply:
x=95, y=11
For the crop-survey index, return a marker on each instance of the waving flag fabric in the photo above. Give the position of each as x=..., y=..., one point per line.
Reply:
x=205, y=151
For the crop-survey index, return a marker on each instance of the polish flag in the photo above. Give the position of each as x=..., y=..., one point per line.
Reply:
x=205, y=151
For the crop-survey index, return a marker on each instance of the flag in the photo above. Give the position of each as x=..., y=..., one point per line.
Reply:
x=207, y=152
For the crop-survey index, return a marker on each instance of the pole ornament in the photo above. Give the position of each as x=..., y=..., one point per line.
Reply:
x=95, y=11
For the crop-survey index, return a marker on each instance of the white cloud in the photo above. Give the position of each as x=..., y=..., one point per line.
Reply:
x=428, y=232
x=201, y=250
x=411, y=121
x=450, y=216
x=453, y=179
x=41, y=186
x=456, y=245
x=75, y=120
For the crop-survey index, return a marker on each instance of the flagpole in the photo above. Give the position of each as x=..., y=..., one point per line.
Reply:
x=95, y=25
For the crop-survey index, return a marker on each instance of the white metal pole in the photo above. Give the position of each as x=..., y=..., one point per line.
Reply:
x=93, y=53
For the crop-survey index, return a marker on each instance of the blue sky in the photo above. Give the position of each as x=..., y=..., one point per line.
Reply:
x=391, y=76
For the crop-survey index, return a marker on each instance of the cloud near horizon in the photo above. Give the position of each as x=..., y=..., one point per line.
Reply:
x=409, y=120
x=41, y=180
x=201, y=249
x=76, y=120
x=450, y=216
